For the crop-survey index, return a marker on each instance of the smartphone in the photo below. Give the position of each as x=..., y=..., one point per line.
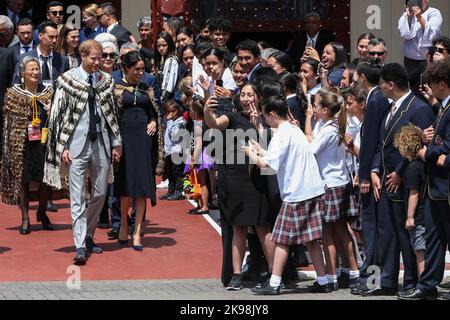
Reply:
x=421, y=82
x=219, y=83
x=320, y=69
x=224, y=106
x=431, y=52
x=308, y=97
x=414, y=3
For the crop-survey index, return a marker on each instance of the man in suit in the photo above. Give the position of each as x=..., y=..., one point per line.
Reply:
x=6, y=73
x=387, y=170
x=311, y=37
x=52, y=63
x=107, y=17
x=437, y=208
x=377, y=106
x=90, y=132
x=14, y=10
x=7, y=36
x=25, y=33
x=248, y=55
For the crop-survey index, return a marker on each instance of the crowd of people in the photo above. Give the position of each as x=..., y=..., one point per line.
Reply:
x=298, y=148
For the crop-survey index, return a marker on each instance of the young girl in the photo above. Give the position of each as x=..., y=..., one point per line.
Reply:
x=166, y=62
x=301, y=188
x=328, y=146
x=200, y=160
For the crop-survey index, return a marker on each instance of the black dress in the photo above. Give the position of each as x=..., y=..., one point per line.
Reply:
x=241, y=188
x=136, y=172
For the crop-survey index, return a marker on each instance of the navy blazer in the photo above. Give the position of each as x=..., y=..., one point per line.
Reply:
x=388, y=158
x=60, y=64
x=438, y=182
x=376, y=109
x=122, y=35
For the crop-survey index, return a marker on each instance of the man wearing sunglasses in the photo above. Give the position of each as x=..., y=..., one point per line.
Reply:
x=377, y=50
x=419, y=25
x=55, y=13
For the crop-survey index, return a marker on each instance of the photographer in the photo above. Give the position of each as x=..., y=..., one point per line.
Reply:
x=418, y=25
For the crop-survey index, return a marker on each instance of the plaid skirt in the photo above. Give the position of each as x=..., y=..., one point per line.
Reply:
x=355, y=220
x=340, y=203
x=299, y=222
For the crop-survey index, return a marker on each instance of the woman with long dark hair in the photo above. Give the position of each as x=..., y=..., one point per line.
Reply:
x=334, y=58
x=166, y=64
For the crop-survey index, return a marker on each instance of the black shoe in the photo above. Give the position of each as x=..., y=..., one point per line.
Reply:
x=444, y=285
x=317, y=288
x=445, y=296
x=198, y=212
x=379, y=292
x=333, y=286
x=212, y=206
x=137, y=248
x=263, y=278
x=192, y=211
x=406, y=292
x=92, y=247
x=103, y=225
x=267, y=289
x=353, y=283
x=236, y=283
x=418, y=294
x=44, y=220
x=80, y=256
x=113, y=234
x=165, y=196
x=344, y=280
x=175, y=197
x=25, y=228
x=51, y=207
x=358, y=288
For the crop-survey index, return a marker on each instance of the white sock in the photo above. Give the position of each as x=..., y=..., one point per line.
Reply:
x=331, y=278
x=275, y=281
x=322, y=280
x=354, y=274
x=338, y=272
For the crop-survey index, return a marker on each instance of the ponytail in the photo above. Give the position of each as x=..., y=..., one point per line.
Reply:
x=333, y=100
x=342, y=120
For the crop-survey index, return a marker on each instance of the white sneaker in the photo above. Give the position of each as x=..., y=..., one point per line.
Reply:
x=163, y=185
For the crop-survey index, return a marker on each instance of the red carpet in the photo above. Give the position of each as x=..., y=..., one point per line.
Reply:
x=176, y=246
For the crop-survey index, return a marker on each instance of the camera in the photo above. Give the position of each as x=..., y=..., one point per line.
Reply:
x=431, y=52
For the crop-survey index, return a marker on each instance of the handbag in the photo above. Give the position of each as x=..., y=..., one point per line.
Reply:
x=196, y=189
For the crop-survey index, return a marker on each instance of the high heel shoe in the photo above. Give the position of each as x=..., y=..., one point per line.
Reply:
x=137, y=248
x=45, y=221
x=26, y=230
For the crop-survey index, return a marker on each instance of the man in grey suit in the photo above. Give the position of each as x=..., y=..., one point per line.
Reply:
x=85, y=130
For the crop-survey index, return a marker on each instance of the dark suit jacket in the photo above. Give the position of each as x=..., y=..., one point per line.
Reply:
x=438, y=182
x=376, y=109
x=258, y=66
x=60, y=64
x=297, y=112
x=6, y=74
x=299, y=44
x=388, y=158
x=122, y=35
x=16, y=52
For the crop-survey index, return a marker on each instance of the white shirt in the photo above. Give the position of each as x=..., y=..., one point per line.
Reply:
x=290, y=155
x=418, y=39
x=370, y=92
x=330, y=155
x=445, y=102
x=111, y=27
x=228, y=82
x=313, y=39
x=49, y=61
x=197, y=70
x=396, y=106
x=353, y=129
x=85, y=77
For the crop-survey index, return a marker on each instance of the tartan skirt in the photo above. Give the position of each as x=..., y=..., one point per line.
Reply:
x=299, y=222
x=340, y=202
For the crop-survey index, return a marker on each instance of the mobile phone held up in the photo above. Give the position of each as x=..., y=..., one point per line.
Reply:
x=431, y=52
x=224, y=105
x=219, y=83
x=413, y=3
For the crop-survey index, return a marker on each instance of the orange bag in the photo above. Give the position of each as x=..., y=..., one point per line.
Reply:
x=196, y=189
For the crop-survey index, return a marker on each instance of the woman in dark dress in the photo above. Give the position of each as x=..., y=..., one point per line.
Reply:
x=241, y=188
x=142, y=139
x=23, y=152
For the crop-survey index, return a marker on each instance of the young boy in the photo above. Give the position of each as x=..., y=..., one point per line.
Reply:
x=301, y=187
x=173, y=167
x=409, y=141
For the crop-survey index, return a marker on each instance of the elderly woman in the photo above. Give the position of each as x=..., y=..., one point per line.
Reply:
x=109, y=57
x=24, y=136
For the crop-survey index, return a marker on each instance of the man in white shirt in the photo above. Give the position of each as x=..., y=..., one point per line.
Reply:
x=419, y=27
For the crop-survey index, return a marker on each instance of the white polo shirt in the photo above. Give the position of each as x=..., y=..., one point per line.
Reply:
x=290, y=155
x=330, y=156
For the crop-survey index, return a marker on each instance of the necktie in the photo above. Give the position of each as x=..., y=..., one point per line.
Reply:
x=45, y=69
x=92, y=118
x=310, y=43
x=391, y=114
x=27, y=48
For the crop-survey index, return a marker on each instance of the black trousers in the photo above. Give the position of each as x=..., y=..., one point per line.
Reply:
x=393, y=238
x=227, y=245
x=174, y=172
x=437, y=237
x=369, y=227
x=411, y=65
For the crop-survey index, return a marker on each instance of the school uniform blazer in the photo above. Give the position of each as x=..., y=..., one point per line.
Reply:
x=438, y=182
x=388, y=158
x=376, y=110
x=60, y=64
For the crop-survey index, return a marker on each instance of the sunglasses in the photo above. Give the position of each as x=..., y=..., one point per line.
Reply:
x=376, y=53
x=100, y=15
x=111, y=55
x=441, y=50
x=57, y=13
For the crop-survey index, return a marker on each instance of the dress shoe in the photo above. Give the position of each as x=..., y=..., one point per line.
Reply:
x=418, y=294
x=113, y=233
x=444, y=285
x=267, y=289
x=358, y=288
x=379, y=292
x=333, y=286
x=51, y=207
x=317, y=288
x=44, y=220
x=92, y=247
x=445, y=296
x=25, y=228
x=137, y=248
x=344, y=280
x=80, y=256
x=406, y=292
